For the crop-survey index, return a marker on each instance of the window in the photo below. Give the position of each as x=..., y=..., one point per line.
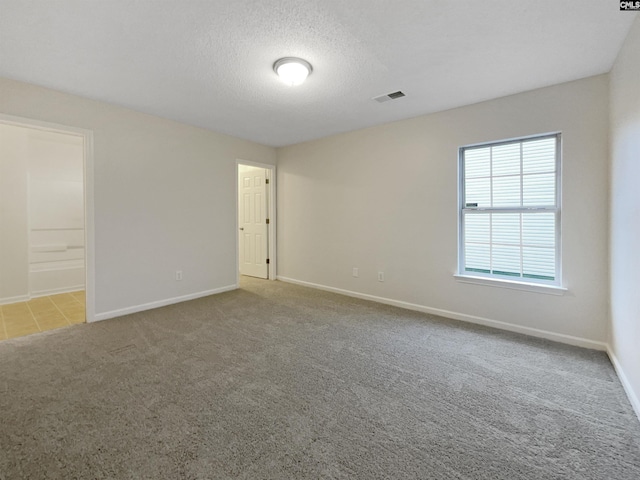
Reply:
x=510, y=210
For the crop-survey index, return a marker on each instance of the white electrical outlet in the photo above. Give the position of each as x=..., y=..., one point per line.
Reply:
x=355, y=271
x=178, y=275
x=381, y=276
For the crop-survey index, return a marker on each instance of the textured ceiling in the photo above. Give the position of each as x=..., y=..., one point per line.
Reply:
x=209, y=63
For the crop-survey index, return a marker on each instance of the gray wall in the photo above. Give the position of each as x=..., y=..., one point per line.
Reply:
x=164, y=197
x=385, y=198
x=625, y=214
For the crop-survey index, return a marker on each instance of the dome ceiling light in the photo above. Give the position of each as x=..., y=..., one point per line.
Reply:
x=292, y=71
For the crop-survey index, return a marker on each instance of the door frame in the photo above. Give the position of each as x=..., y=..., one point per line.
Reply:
x=89, y=220
x=271, y=212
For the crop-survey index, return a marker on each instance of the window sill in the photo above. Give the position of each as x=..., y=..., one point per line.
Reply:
x=528, y=287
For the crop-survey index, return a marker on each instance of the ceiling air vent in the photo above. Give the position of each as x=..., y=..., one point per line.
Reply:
x=389, y=96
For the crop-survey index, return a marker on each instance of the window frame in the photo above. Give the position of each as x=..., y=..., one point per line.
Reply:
x=544, y=286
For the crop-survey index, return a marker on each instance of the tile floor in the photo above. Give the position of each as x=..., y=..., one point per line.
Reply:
x=40, y=314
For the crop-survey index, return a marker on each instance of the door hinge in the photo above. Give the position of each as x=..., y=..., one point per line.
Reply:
x=267, y=261
x=266, y=181
x=267, y=221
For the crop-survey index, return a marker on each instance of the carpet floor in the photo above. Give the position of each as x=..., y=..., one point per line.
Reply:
x=277, y=381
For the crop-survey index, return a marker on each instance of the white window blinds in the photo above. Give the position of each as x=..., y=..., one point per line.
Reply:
x=510, y=210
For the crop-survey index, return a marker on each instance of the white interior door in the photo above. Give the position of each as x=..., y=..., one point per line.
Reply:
x=252, y=221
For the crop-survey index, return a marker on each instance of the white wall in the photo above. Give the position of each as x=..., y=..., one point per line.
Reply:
x=164, y=196
x=385, y=198
x=14, y=250
x=625, y=214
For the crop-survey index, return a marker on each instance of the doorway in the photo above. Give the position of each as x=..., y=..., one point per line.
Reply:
x=256, y=220
x=45, y=279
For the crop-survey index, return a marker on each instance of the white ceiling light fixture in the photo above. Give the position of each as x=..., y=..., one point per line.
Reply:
x=292, y=71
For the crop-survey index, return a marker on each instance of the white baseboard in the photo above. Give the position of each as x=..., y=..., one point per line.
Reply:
x=41, y=293
x=55, y=291
x=534, y=332
x=633, y=397
x=160, y=303
x=16, y=299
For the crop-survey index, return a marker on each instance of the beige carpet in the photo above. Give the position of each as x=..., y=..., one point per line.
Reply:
x=276, y=381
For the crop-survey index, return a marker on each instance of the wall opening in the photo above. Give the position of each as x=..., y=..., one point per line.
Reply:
x=43, y=227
